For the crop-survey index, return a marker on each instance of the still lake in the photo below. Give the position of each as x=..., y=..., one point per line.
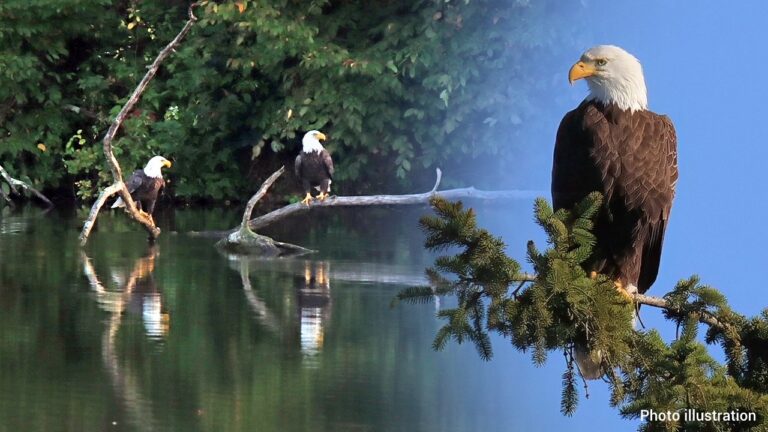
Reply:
x=120, y=336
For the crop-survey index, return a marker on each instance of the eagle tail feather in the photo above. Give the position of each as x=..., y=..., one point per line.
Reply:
x=589, y=363
x=632, y=290
x=118, y=203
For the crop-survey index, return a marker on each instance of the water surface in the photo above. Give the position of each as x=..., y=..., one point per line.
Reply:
x=120, y=336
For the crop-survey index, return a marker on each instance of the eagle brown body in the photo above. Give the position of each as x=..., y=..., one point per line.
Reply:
x=314, y=166
x=315, y=170
x=612, y=144
x=145, y=185
x=145, y=190
x=631, y=158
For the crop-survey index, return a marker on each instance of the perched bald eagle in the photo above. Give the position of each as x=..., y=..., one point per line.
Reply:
x=145, y=185
x=314, y=166
x=612, y=143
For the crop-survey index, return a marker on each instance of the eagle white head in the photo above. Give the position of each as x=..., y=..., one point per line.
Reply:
x=613, y=76
x=152, y=169
x=311, y=141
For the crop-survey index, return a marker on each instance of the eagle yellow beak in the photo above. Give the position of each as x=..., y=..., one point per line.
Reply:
x=167, y=163
x=320, y=136
x=581, y=70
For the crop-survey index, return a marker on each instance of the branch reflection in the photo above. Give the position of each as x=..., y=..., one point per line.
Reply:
x=260, y=310
x=137, y=293
x=309, y=288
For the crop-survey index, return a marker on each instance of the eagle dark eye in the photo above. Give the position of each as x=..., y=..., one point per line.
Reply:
x=601, y=62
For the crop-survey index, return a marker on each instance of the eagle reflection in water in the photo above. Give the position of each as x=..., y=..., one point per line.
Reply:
x=135, y=292
x=313, y=293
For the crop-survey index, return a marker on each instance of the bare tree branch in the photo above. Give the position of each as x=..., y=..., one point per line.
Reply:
x=525, y=277
x=103, y=196
x=119, y=186
x=380, y=200
x=439, y=173
x=14, y=183
x=257, y=196
x=244, y=241
x=661, y=303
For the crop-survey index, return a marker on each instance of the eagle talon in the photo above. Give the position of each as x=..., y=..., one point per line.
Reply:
x=307, y=199
x=148, y=216
x=629, y=298
x=322, y=196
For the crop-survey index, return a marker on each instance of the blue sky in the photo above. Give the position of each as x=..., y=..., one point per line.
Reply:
x=705, y=66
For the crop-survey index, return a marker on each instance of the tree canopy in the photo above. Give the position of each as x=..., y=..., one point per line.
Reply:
x=398, y=85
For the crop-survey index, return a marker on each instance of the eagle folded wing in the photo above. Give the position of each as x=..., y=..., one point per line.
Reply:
x=135, y=181
x=297, y=166
x=328, y=163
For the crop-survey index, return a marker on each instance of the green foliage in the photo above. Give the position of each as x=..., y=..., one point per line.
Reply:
x=561, y=308
x=38, y=71
x=399, y=86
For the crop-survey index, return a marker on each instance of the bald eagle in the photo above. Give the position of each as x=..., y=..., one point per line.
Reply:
x=145, y=186
x=612, y=143
x=314, y=166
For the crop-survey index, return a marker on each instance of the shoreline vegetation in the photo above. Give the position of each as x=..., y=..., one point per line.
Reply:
x=391, y=86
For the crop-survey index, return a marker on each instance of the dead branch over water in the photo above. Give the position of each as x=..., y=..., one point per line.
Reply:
x=119, y=186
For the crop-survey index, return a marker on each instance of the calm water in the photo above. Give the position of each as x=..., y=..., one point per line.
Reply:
x=123, y=337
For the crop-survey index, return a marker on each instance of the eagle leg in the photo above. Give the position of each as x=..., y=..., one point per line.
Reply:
x=307, y=199
x=623, y=291
x=322, y=196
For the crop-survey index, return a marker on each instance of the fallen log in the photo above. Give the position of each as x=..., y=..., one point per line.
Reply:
x=244, y=241
x=384, y=200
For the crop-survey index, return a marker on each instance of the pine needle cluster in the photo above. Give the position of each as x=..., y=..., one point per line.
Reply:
x=562, y=307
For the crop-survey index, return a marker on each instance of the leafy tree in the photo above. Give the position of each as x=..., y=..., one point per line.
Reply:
x=398, y=85
x=42, y=48
x=561, y=307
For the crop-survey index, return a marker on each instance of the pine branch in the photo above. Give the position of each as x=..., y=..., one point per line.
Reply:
x=561, y=307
